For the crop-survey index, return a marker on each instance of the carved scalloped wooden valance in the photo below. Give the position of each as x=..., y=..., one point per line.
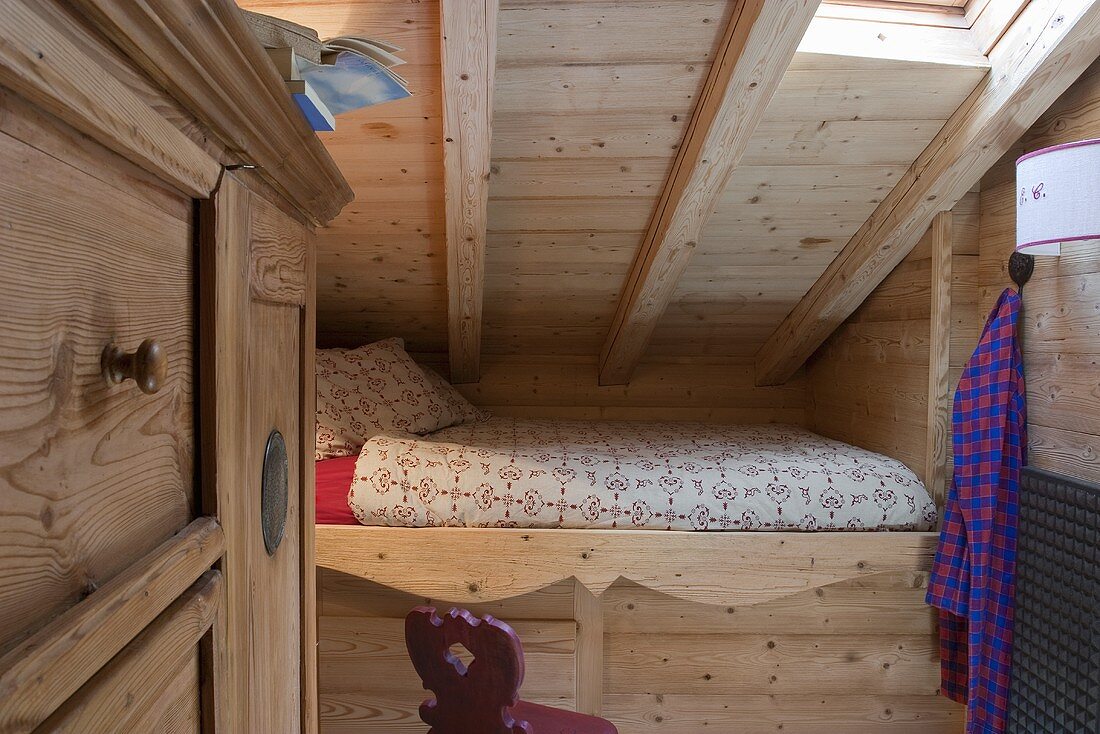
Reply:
x=466, y=565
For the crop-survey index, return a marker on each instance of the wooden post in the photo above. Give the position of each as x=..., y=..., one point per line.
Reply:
x=588, y=657
x=939, y=361
x=469, y=33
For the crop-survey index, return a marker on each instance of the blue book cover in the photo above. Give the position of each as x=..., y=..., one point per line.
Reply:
x=352, y=82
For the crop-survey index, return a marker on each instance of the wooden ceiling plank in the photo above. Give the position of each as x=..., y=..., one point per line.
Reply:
x=756, y=48
x=991, y=18
x=1043, y=52
x=469, y=31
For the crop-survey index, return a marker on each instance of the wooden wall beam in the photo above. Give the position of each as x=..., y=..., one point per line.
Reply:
x=1048, y=46
x=758, y=44
x=939, y=361
x=469, y=38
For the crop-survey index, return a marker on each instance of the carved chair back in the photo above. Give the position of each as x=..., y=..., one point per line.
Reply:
x=474, y=699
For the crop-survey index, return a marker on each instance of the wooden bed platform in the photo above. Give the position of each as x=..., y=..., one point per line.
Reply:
x=657, y=631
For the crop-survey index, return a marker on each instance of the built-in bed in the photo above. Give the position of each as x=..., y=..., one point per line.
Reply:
x=499, y=514
x=498, y=507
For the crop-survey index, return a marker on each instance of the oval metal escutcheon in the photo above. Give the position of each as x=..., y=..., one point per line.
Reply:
x=274, y=492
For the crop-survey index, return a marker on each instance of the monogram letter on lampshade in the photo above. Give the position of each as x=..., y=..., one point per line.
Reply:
x=1058, y=197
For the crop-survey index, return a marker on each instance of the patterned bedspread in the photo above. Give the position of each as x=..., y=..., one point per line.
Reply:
x=507, y=472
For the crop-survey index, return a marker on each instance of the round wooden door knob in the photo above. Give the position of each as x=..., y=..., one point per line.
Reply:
x=148, y=366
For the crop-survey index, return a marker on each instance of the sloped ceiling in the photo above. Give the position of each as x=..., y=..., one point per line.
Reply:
x=591, y=101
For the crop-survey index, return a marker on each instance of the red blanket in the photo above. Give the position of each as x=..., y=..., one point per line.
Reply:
x=333, y=481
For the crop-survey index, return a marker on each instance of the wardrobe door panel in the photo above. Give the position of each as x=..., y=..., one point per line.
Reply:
x=258, y=337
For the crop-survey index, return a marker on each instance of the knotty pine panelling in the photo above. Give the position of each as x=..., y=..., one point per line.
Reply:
x=591, y=102
x=662, y=390
x=836, y=137
x=367, y=684
x=381, y=264
x=1061, y=316
x=858, y=656
x=869, y=381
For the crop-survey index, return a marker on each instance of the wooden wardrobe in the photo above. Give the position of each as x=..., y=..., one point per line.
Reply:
x=158, y=195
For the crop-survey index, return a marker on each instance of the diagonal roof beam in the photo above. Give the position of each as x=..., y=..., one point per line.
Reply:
x=1046, y=48
x=756, y=48
x=469, y=43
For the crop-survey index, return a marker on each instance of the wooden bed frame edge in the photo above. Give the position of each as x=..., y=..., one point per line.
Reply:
x=477, y=565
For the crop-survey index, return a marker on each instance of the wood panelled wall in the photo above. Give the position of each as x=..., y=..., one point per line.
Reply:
x=1061, y=317
x=869, y=383
x=391, y=241
x=856, y=657
x=668, y=389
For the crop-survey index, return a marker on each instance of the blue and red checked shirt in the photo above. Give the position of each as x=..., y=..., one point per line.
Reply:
x=974, y=573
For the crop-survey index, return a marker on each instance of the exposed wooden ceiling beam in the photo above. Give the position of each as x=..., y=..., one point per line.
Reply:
x=1048, y=47
x=758, y=44
x=469, y=43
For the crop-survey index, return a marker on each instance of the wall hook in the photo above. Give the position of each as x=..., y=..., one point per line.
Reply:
x=1020, y=268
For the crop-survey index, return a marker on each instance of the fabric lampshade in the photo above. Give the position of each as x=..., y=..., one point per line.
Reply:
x=1058, y=197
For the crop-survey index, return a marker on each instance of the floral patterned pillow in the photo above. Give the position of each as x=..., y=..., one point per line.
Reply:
x=459, y=409
x=374, y=389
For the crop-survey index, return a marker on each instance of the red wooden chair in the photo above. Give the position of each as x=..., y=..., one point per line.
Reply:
x=482, y=698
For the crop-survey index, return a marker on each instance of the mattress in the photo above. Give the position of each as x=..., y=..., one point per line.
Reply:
x=508, y=472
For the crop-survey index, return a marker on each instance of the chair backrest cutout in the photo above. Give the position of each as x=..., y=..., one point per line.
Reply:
x=473, y=699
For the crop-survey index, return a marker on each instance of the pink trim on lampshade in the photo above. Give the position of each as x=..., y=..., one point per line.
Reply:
x=1041, y=151
x=1078, y=238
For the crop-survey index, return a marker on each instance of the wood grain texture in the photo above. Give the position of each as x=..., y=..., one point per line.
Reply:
x=1045, y=50
x=670, y=390
x=990, y=19
x=43, y=671
x=277, y=271
x=394, y=233
x=581, y=149
x=307, y=509
x=776, y=665
x=754, y=52
x=469, y=36
x=1060, y=321
x=371, y=657
x=729, y=567
x=890, y=603
x=868, y=713
x=129, y=690
x=207, y=58
x=862, y=97
x=21, y=120
x=891, y=368
x=274, y=621
x=94, y=477
x=42, y=62
x=255, y=376
x=343, y=595
x=224, y=337
x=589, y=662
x=781, y=664
x=939, y=360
